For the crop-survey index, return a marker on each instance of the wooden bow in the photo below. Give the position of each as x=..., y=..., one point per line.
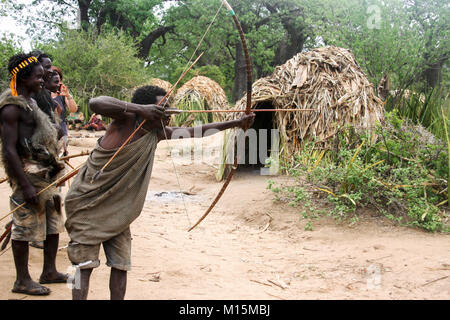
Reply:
x=247, y=109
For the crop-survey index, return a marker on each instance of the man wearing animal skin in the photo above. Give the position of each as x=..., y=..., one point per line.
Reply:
x=29, y=154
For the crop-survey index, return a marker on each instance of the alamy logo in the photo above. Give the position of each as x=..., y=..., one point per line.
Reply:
x=374, y=21
x=373, y=277
x=73, y=281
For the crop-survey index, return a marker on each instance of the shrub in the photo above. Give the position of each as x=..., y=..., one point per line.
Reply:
x=403, y=174
x=93, y=65
x=8, y=48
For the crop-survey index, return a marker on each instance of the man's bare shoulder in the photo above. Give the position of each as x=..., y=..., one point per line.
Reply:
x=10, y=112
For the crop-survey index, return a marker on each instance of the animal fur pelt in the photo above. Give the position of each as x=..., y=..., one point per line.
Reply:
x=8, y=236
x=42, y=148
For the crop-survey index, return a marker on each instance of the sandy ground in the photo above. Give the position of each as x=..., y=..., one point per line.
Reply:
x=250, y=247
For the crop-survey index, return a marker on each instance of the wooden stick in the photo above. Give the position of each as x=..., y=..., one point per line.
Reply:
x=57, y=182
x=277, y=284
x=266, y=284
x=178, y=111
x=68, y=163
x=83, y=153
x=4, y=179
x=8, y=229
x=432, y=281
x=4, y=253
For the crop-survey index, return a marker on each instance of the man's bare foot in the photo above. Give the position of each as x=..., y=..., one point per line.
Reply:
x=31, y=288
x=53, y=278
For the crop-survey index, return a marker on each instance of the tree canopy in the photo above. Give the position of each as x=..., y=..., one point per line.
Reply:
x=407, y=39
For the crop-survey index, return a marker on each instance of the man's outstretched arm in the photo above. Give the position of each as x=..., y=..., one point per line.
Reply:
x=121, y=110
x=207, y=129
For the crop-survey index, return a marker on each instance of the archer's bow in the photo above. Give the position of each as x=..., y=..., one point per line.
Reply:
x=247, y=110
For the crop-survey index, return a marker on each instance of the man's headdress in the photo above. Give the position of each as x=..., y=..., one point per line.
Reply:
x=13, y=85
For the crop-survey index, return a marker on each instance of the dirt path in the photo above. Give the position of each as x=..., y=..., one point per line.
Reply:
x=237, y=254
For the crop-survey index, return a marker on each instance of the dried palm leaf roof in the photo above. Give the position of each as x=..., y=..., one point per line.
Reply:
x=202, y=93
x=326, y=79
x=166, y=85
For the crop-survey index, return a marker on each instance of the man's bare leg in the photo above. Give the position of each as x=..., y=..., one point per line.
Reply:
x=24, y=283
x=81, y=289
x=118, y=284
x=49, y=272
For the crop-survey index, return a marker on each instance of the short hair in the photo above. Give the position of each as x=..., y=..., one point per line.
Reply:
x=40, y=55
x=24, y=72
x=58, y=70
x=53, y=74
x=147, y=94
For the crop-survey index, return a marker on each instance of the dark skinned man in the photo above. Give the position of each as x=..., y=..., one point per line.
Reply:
x=45, y=103
x=101, y=212
x=43, y=98
x=29, y=154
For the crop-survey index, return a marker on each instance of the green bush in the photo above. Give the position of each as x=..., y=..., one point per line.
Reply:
x=8, y=48
x=93, y=65
x=422, y=107
x=403, y=175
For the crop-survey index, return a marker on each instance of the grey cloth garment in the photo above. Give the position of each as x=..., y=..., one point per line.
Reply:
x=97, y=212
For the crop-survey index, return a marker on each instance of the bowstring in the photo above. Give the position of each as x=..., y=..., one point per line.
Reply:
x=163, y=127
x=203, y=37
x=176, y=174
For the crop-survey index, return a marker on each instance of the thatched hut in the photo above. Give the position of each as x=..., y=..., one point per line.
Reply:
x=200, y=93
x=166, y=85
x=328, y=80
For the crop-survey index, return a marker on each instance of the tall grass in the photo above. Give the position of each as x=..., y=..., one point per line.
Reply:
x=401, y=175
x=445, y=120
x=424, y=108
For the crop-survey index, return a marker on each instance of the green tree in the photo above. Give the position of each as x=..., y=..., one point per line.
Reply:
x=274, y=32
x=8, y=48
x=400, y=37
x=136, y=17
x=97, y=64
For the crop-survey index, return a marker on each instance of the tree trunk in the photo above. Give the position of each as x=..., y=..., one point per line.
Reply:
x=146, y=44
x=295, y=37
x=433, y=72
x=84, y=16
x=293, y=44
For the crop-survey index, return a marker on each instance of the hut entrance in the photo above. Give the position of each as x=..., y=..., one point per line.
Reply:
x=258, y=144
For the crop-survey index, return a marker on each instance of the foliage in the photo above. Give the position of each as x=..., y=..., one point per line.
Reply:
x=401, y=38
x=212, y=72
x=95, y=65
x=403, y=175
x=422, y=108
x=135, y=17
x=8, y=48
x=263, y=30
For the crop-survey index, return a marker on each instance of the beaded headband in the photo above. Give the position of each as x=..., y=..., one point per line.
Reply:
x=15, y=71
